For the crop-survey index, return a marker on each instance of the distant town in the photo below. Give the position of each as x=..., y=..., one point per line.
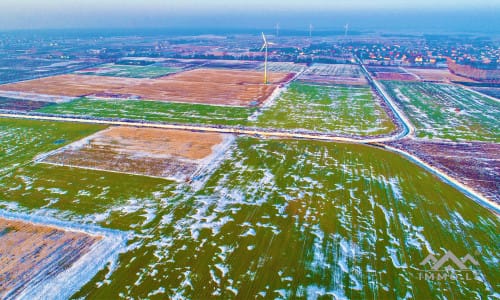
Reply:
x=31, y=56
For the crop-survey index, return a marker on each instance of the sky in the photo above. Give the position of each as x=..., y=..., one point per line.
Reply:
x=39, y=14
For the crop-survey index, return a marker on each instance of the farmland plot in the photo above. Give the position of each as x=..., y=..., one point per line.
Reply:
x=490, y=91
x=154, y=111
x=21, y=105
x=385, y=69
x=38, y=259
x=448, y=112
x=232, y=64
x=57, y=250
x=476, y=165
x=436, y=75
x=333, y=74
x=181, y=63
x=225, y=77
x=120, y=70
x=19, y=135
x=392, y=73
x=70, y=85
x=286, y=67
x=24, y=68
x=346, y=110
x=173, y=154
x=34, y=97
x=201, y=86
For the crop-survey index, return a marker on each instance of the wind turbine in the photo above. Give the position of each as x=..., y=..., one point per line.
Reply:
x=346, y=27
x=277, y=29
x=311, y=30
x=264, y=47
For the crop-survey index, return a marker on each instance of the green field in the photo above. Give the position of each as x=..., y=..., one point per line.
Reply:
x=153, y=111
x=21, y=140
x=150, y=71
x=347, y=110
x=446, y=111
x=278, y=219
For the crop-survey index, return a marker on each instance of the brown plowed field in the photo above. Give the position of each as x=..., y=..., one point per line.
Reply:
x=142, y=151
x=159, y=142
x=22, y=105
x=203, y=92
x=474, y=164
x=32, y=253
x=229, y=76
x=70, y=85
x=395, y=76
x=205, y=86
x=437, y=75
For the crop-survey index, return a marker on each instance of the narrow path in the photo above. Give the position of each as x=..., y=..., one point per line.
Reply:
x=408, y=128
x=205, y=128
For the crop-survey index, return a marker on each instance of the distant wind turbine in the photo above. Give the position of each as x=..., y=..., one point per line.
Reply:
x=277, y=29
x=346, y=27
x=311, y=30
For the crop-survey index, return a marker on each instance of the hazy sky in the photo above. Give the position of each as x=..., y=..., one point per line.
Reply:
x=150, y=13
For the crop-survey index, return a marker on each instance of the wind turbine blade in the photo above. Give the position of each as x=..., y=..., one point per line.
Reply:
x=264, y=38
x=263, y=47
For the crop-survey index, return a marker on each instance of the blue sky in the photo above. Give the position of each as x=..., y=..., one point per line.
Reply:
x=227, y=5
x=156, y=13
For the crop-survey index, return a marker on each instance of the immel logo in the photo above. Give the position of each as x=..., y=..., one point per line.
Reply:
x=448, y=267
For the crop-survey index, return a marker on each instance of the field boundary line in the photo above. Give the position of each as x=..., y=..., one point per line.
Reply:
x=478, y=93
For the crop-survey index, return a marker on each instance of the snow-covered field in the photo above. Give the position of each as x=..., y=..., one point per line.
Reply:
x=333, y=73
x=444, y=111
x=171, y=154
x=340, y=109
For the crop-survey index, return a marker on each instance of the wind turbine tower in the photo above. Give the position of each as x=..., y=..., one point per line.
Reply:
x=264, y=47
x=311, y=30
x=277, y=29
x=346, y=27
